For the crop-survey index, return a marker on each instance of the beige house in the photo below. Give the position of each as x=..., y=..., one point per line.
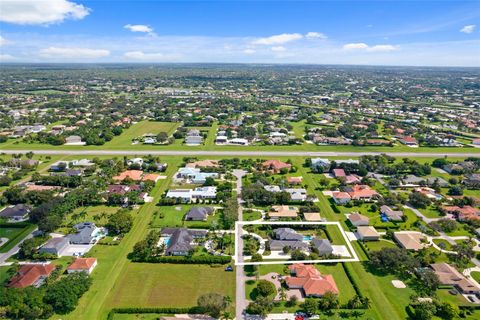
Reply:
x=368, y=233
x=410, y=240
x=278, y=212
x=312, y=216
x=448, y=275
x=358, y=219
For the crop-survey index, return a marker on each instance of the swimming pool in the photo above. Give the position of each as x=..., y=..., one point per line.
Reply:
x=307, y=238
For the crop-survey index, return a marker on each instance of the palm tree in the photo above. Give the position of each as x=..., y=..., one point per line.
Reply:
x=226, y=316
x=283, y=294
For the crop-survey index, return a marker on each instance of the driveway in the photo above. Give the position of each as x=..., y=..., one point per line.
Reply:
x=4, y=256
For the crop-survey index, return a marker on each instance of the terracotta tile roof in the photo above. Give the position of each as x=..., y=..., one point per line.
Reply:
x=137, y=175
x=310, y=280
x=29, y=274
x=276, y=164
x=82, y=264
x=362, y=191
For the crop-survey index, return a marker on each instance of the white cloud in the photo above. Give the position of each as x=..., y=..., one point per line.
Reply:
x=6, y=57
x=3, y=41
x=360, y=46
x=382, y=48
x=278, y=49
x=468, y=29
x=355, y=46
x=150, y=56
x=315, y=35
x=41, y=12
x=249, y=51
x=73, y=53
x=139, y=28
x=278, y=39
x=140, y=55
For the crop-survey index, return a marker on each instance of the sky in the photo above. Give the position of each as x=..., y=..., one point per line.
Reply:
x=355, y=32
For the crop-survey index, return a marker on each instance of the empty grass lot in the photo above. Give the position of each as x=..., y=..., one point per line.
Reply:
x=170, y=285
x=112, y=260
x=173, y=216
x=139, y=129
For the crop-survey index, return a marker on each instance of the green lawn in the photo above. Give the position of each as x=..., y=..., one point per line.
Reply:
x=378, y=245
x=137, y=130
x=169, y=285
x=15, y=235
x=443, y=244
x=112, y=260
x=173, y=216
x=431, y=212
x=97, y=214
x=4, y=276
x=476, y=275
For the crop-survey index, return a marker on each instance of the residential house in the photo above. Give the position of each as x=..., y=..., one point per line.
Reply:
x=181, y=240
x=194, y=175
x=287, y=234
x=320, y=164
x=137, y=175
x=322, y=246
x=31, y=275
x=278, y=212
x=448, y=275
x=86, y=233
x=410, y=240
x=341, y=197
x=276, y=165
x=294, y=180
x=472, y=180
x=278, y=245
x=74, y=141
x=16, y=213
x=203, y=164
x=198, y=213
x=55, y=246
x=310, y=280
x=188, y=195
x=358, y=219
x=463, y=213
x=409, y=141
x=312, y=216
x=82, y=265
x=368, y=233
x=392, y=215
x=297, y=194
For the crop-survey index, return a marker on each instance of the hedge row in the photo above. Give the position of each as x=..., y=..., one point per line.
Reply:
x=139, y=310
x=15, y=225
x=352, y=281
x=187, y=260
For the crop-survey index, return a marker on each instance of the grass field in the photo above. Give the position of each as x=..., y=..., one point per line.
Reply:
x=137, y=130
x=15, y=235
x=112, y=260
x=170, y=285
x=92, y=213
x=173, y=216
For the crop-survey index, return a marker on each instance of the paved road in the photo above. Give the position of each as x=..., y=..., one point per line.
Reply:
x=239, y=153
x=4, y=256
x=241, y=301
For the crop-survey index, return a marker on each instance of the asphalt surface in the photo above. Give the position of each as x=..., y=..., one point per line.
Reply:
x=241, y=153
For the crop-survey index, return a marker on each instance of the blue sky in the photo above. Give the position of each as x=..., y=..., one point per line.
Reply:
x=325, y=32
